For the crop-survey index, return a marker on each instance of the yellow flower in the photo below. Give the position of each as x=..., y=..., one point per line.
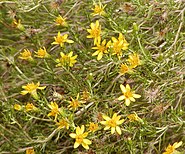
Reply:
x=101, y=49
x=134, y=117
x=32, y=89
x=30, y=151
x=128, y=95
x=42, y=53
x=80, y=137
x=17, y=24
x=118, y=45
x=17, y=107
x=63, y=123
x=30, y=107
x=66, y=60
x=61, y=39
x=54, y=109
x=26, y=55
x=61, y=21
x=95, y=32
x=112, y=123
x=98, y=9
x=93, y=127
x=85, y=95
x=74, y=103
x=171, y=148
x=124, y=69
x=134, y=60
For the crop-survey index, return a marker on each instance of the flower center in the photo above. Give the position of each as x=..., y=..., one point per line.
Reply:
x=26, y=54
x=79, y=138
x=75, y=103
x=124, y=69
x=102, y=48
x=112, y=123
x=128, y=94
x=98, y=9
x=95, y=32
x=54, y=111
x=59, y=21
x=60, y=39
x=41, y=52
x=31, y=87
x=65, y=60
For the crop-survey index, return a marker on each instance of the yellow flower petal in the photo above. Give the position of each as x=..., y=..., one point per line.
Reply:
x=24, y=92
x=72, y=135
x=177, y=144
x=132, y=99
x=113, y=130
x=95, y=53
x=85, y=146
x=87, y=141
x=100, y=55
x=118, y=130
x=114, y=115
x=136, y=95
x=103, y=122
x=121, y=98
x=127, y=102
x=107, y=127
x=120, y=122
x=76, y=145
x=106, y=117
x=123, y=89
x=127, y=87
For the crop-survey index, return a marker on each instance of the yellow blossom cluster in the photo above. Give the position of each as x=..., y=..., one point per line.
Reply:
x=65, y=59
x=28, y=107
x=133, y=61
x=115, y=46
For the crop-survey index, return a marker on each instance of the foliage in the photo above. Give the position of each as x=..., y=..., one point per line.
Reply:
x=63, y=62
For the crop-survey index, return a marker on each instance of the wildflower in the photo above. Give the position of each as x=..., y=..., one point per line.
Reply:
x=74, y=103
x=61, y=21
x=118, y=45
x=95, y=32
x=62, y=124
x=134, y=60
x=42, y=53
x=61, y=39
x=54, y=109
x=85, y=95
x=124, y=69
x=32, y=89
x=171, y=148
x=112, y=123
x=26, y=55
x=128, y=95
x=134, y=117
x=98, y=9
x=80, y=137
x=93, y=127
x=30, y=107
x=101, y=49
x=66, y=60
x=30, y=151
x=17, y=107
x=17, y=24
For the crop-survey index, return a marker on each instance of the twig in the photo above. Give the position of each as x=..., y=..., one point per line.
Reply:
x=83, y=109
x=48, y=138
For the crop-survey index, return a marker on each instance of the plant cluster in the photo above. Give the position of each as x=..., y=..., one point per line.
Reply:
x=89, y=86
